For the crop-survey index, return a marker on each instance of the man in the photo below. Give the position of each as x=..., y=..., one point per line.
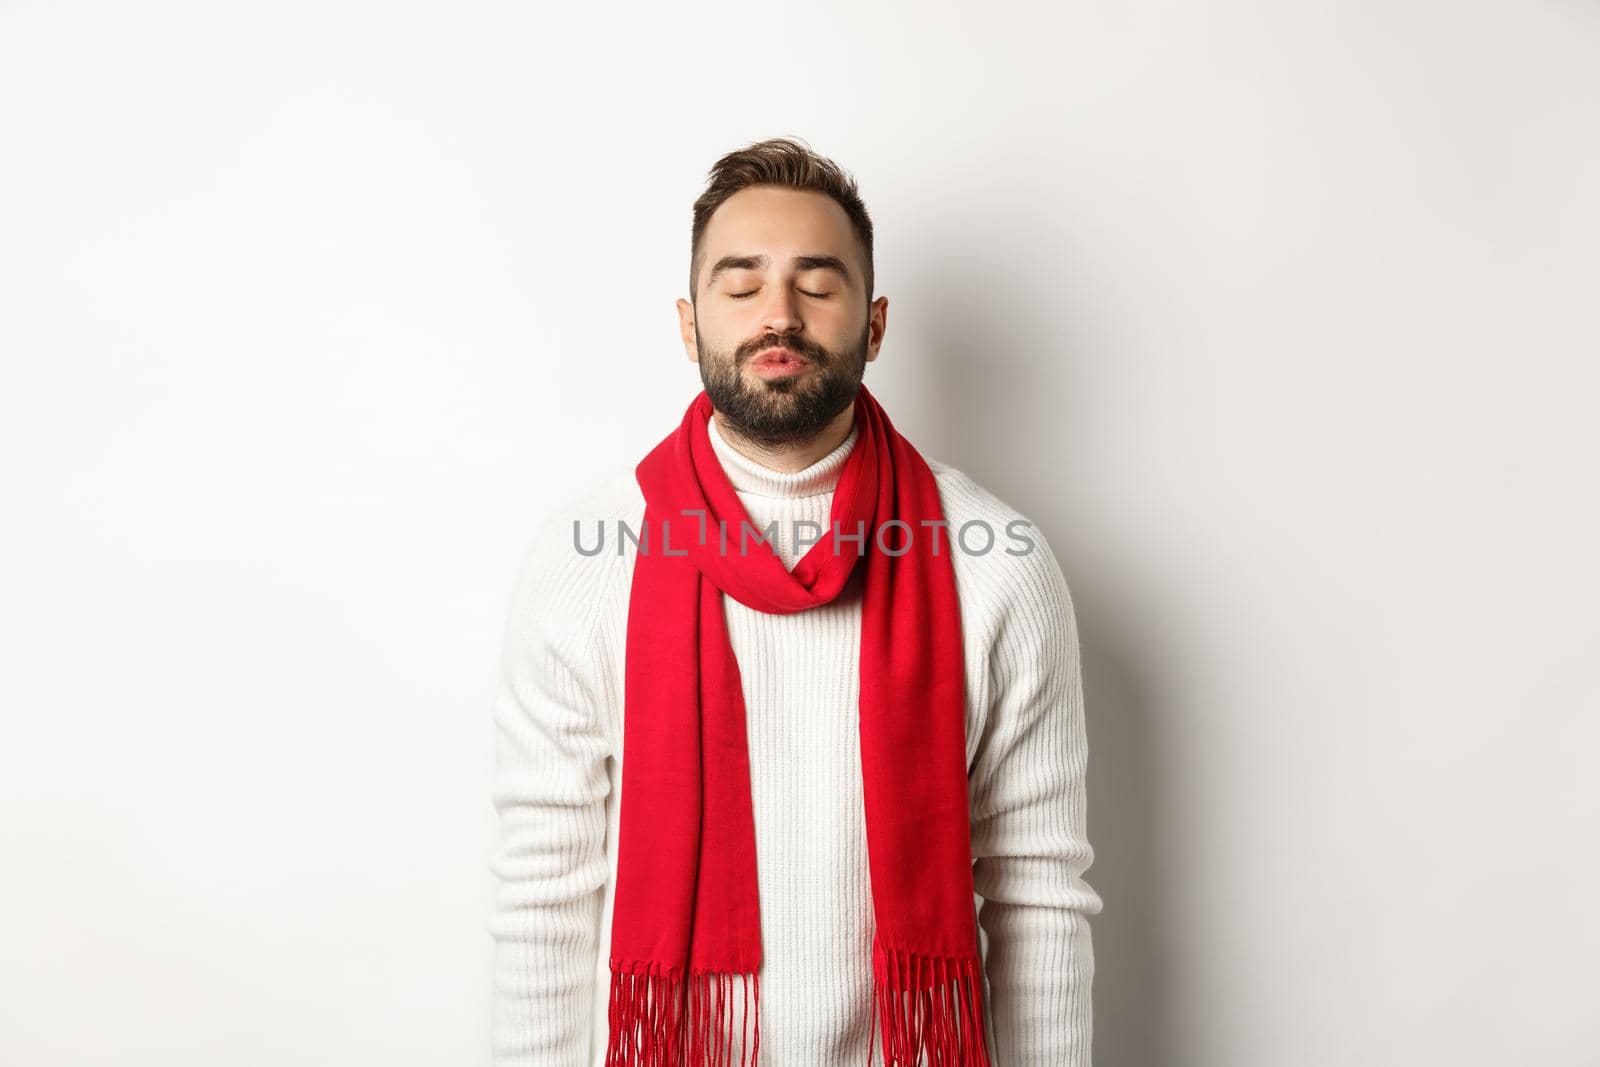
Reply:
x=755, y=754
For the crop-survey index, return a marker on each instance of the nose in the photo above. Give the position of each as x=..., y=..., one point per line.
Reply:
x=782, y=311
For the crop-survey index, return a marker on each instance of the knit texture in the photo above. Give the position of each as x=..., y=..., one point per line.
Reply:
x=558, y=713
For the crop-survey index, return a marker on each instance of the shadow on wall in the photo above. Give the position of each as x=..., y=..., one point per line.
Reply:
x=994, y=390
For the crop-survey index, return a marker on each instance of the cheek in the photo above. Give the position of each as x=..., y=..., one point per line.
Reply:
x=717, y=337
x=722, y=318
x=728, y=327
x=839, y=325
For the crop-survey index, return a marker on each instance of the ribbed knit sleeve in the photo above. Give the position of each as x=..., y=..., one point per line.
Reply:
x=550, y=785
x=1029, y=836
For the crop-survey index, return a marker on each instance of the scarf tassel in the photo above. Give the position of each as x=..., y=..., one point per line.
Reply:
x=929, y=1005
x=926, y=1006
x=649, y=1013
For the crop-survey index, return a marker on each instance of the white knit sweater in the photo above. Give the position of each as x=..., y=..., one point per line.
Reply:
x=558, y=715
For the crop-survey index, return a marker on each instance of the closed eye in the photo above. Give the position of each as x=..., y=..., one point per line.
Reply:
x=743, y=296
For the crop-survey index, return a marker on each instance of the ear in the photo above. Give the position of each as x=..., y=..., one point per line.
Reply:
x=877, y=323
x=686, y=330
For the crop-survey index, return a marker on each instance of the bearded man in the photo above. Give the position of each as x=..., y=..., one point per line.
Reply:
x=768, y=763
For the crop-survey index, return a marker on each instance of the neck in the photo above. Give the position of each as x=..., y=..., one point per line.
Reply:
x=796, y=456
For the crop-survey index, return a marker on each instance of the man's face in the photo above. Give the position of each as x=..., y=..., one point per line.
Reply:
x=780, y=325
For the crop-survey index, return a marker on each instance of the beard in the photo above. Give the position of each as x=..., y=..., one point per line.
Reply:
x=788, y=410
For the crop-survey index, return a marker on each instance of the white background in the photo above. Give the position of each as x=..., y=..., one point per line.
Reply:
x=1280, y=320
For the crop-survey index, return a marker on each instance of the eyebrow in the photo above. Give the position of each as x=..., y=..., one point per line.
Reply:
x=727, y=263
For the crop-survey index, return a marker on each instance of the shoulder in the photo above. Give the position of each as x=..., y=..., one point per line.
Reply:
x=566, y=571
x=614, y=495
x=1006, y=567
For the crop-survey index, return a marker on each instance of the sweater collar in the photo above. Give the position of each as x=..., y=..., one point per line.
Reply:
x=749, y=476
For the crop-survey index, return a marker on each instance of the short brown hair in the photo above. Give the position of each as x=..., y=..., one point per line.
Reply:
x=778, y=161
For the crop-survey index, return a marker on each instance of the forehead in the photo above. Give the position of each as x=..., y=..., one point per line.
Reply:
x=779, y=221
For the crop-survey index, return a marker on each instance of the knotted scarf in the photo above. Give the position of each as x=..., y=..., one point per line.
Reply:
x=686, y=925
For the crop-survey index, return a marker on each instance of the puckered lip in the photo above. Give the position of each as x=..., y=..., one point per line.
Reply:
x=779, y=355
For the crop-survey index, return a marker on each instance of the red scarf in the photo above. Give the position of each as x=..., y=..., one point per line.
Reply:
x=686, y=926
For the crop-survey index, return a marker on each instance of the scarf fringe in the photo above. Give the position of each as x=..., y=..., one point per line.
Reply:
x=649, y=1014
x=932, y=1005
x=926, y=1006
